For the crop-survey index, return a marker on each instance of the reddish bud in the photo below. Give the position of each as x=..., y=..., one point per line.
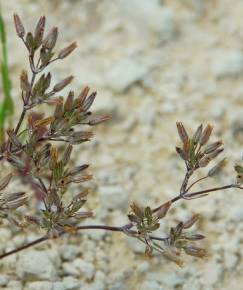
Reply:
x=62, y=84
x=191, y=221
x=194, y=251
x=24, y=82
x=196, y=137
x=99, y=119
x=19, y=26
x=39, y=30
x=206, y=134
x=212, y=147
x=162, y=211
x=50, y=40
x=182, y=132
x=67, y=50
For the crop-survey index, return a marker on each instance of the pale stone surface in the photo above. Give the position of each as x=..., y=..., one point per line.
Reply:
x=152, y=63
x=228, y=64
x=113, y=197
x=36, y=265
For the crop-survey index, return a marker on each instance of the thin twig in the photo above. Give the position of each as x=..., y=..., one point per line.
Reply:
x=195, y=182
x=124, y=229
x=46, y=237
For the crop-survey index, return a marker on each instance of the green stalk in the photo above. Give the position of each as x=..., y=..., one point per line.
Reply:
x=7, y=105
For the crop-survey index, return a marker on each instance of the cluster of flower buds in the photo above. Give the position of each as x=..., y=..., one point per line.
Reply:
x=57, y=216
x=196, y=152
x=179, y=240
x=36, y=40
x=145, y=219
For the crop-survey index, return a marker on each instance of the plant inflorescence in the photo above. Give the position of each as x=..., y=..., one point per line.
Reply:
x=31, y=149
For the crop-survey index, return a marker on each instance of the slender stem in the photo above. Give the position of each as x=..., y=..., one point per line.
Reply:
x=45, y=238
x=26, y=246
x=185, y=181
x=198, y=193
x=101, y=227
x=88, y=227
x=24, y=109
x=124, y=229
x=20, y=121
x=42, y=184
x=200, y=179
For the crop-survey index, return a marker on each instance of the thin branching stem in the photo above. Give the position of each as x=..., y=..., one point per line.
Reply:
x=24, y=108
x=195, y=182
x=123, y=229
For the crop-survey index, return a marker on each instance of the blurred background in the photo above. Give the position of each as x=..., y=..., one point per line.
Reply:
x=152, y=62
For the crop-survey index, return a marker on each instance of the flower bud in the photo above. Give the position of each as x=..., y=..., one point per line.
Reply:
x=67, y=50
x=194, y=251
x=62, y=84
x=191, y=221
x=99, y=119
x=50, y=40
x=212, y=147
x=196, y=137
x=161, y=213
x=204, y=161
x=182, y=132
x=89, y=101
x=206, y=134
x=39, y=30
x=24, y=82
x=19, y=26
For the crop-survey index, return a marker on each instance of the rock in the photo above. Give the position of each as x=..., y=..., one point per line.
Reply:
x=150, y=285
x=54, y=255
x=170, y=279
x=118, y=286
x=5, y=235
x=166, y=24
x=69, y=252
x=236, y=213
x=230, y=260
x=212, y=273
x=3, y=280
x=71, y=283
x=97, y=285
x=105, y=104
x=40, y=285
x=228, y=64
x=125, y=73
x=162, y=19
x=36, y=265
x=135, y=245
x=14, y=285
x=113, y=197
x=143, y=267
x=86, y=269
x=68, y=283
x=69, y=269
x=147, y=112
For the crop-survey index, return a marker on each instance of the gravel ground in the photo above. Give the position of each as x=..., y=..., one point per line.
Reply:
x=153, y=63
